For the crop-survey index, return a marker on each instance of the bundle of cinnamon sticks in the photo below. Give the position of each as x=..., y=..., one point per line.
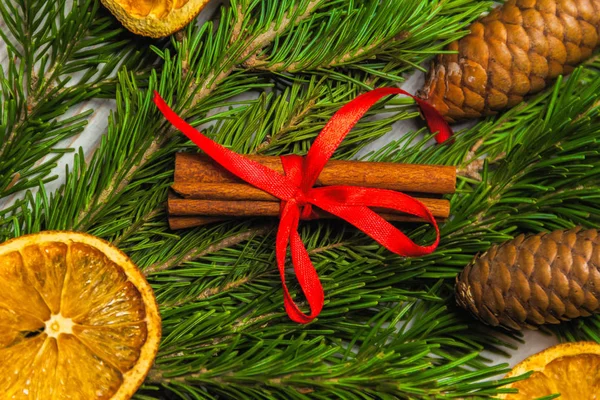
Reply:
x=204, y=192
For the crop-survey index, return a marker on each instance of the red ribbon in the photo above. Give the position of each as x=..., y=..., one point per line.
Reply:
x=297, y=194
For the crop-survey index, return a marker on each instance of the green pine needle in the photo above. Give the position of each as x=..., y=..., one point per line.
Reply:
x=389, y=328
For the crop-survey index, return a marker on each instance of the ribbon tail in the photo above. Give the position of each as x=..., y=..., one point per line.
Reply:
x=307, y=277
x=305, y=271
x=372, y=197
x=435, y=121
x=352, y=205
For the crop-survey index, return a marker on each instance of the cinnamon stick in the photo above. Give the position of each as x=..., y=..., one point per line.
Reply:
x=207, y=193
x=231, y=208
x=191, y=222
x=196, y=170
x=221, y=191
x=177, y=222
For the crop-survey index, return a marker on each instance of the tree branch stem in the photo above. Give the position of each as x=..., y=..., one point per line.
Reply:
x=208, y=85
x=195, y=253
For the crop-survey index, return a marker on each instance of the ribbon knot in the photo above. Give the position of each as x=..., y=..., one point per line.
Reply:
x=298, y=196
x=293, y=168
x=306, y=209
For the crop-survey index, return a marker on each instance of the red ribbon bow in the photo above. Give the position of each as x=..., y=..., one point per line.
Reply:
x=297, y=194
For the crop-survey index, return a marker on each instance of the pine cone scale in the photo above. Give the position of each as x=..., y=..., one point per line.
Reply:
x=591, y=302
x=521, y=286
x=577, y=295
x=529, y=281
x=515, y=51
x=593, y=283
x=542, y=271
x=540, y=300
x=498, y=301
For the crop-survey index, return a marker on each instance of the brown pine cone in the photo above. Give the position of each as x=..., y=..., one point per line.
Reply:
x=533, y=280
x=515, y=51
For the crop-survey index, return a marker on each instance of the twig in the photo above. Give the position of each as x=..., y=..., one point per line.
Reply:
x=326, y=248
x=105, y=193
x=472, y=166
x=13, y=181
x=254, y=46
x=30, y=104
x=213, y=291
x=292, y=124
x=237, y=28
x=137, y=224
x=254, y=62
x=195, y=253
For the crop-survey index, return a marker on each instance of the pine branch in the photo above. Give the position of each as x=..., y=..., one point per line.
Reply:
x=199, y=89
x=462, y=237
x=254, y=45
x=408, y=32
x=395, y=359
x=388, y=328
x=47, y=41
x=214, y=247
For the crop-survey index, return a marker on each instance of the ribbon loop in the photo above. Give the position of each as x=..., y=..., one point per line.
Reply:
x=298, y=196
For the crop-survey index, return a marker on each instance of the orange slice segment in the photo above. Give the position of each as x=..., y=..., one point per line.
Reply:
x=570, y=369
x=77, y=319
x=154, y=18
x=17, y=294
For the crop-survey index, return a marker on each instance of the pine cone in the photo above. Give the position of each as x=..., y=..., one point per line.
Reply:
x=515, y=51
x=533, y=280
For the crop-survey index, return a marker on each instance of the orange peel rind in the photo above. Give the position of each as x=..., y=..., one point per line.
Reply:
x=78, y=320
x=571, y=369
x=154, y=18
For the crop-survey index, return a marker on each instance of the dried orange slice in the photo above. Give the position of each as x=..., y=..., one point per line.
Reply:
x=77, y=319
x=570, y=369
x=154, y=18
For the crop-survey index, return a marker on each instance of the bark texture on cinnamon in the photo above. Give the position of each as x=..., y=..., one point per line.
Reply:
x=184, y=222
x=244, y=208
x=176, y=222
x=203, y=192
x=515, y=51
x=533, y=280
x=197, y=169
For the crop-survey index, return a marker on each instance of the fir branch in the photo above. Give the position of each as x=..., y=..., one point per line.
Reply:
x=255, y=44
x=214, y=247
x=275, y=29
x=147, y=217
x=386, y=363
x=198, y=91
x=388, y=30
x=388, y=328
x=46, y=42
